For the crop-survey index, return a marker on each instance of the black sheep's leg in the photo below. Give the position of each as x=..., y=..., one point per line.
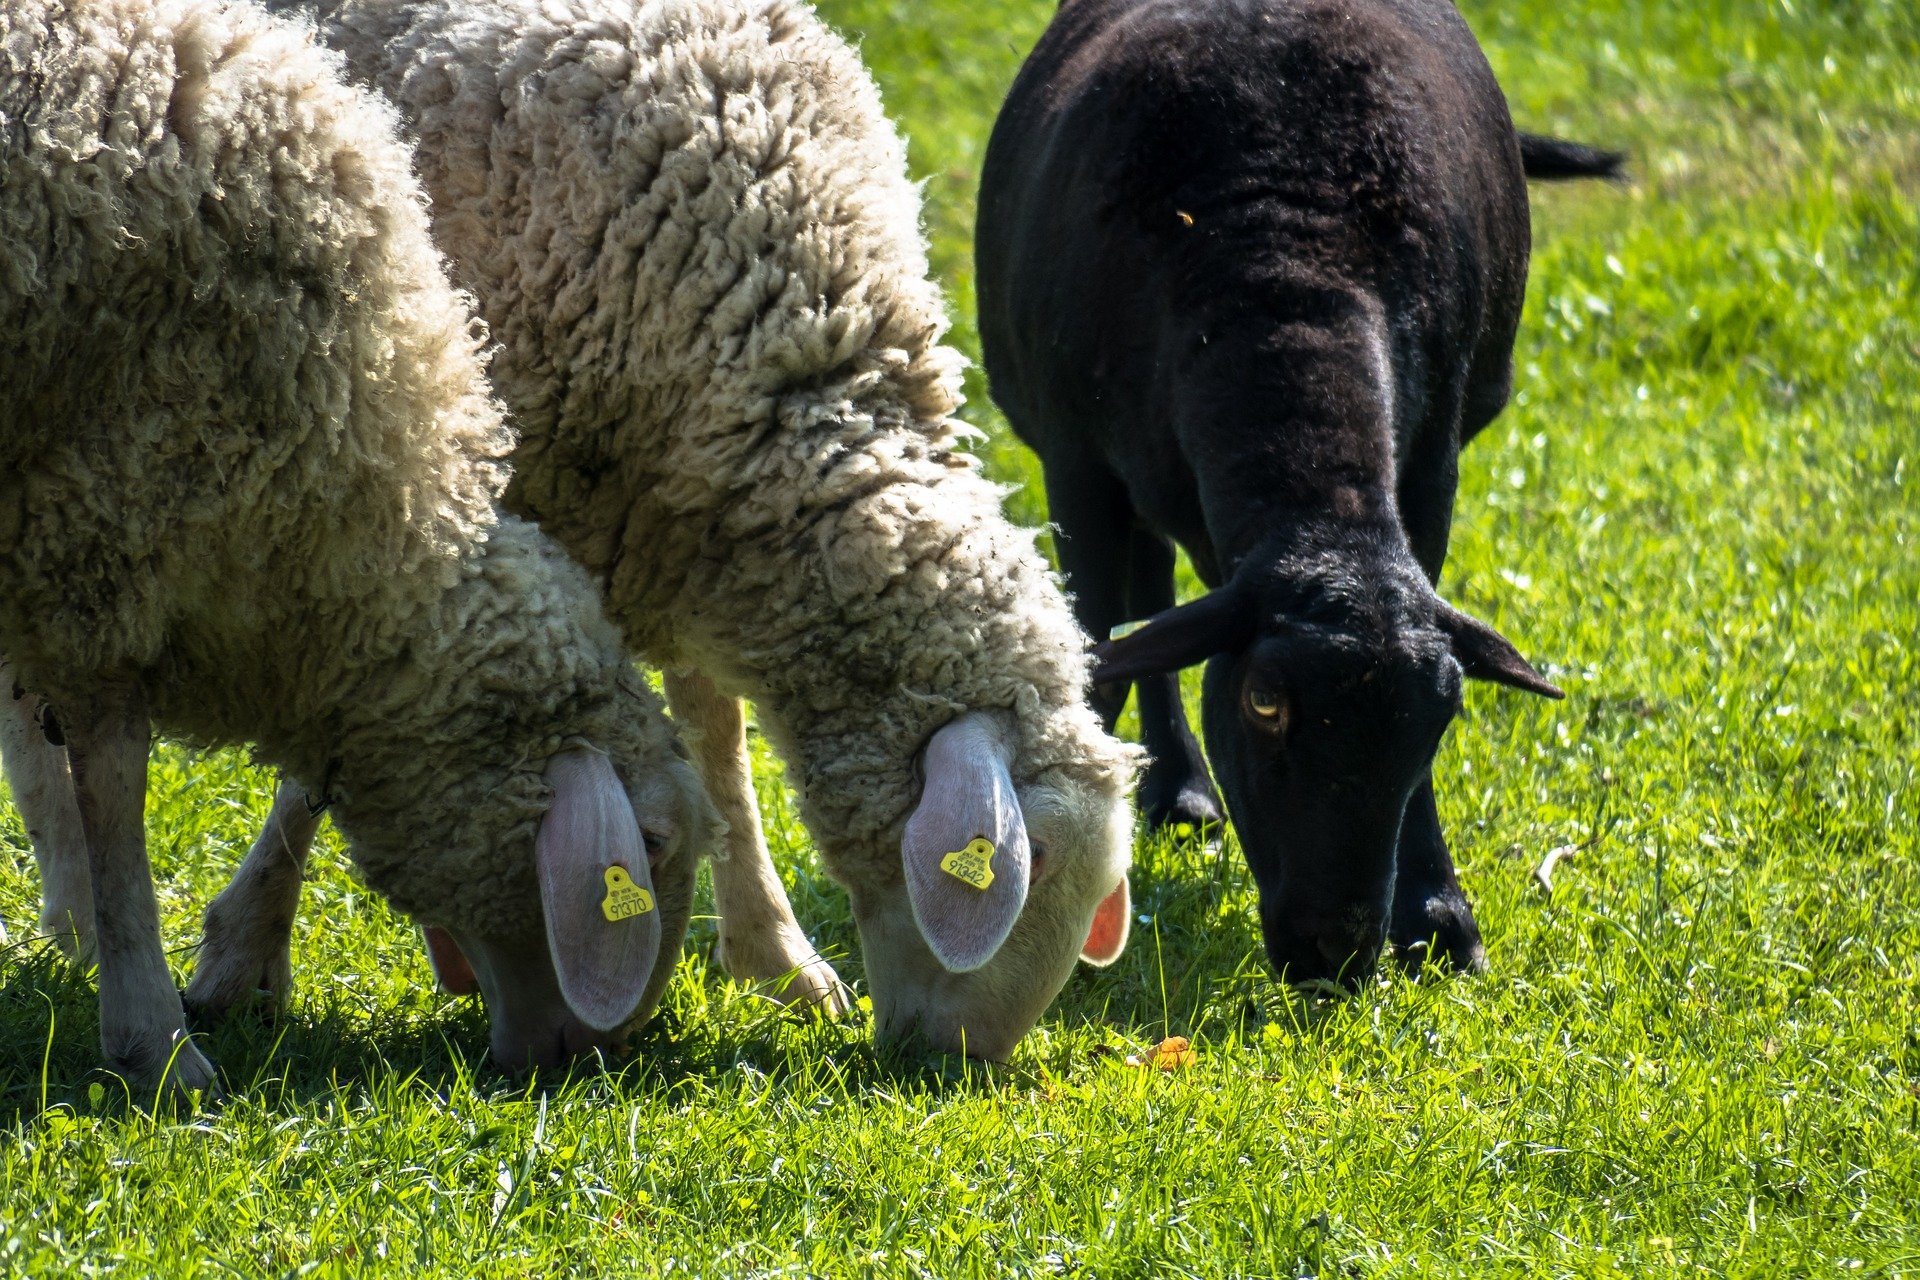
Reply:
x=1092, y=517
x=1176, y=790
x=1431, y=919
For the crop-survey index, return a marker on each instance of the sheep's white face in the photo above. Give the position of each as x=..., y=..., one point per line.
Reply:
x=965, y=961
x=588, y=958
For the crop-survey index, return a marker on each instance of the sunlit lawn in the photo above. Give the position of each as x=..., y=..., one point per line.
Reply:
x=1700, y=1052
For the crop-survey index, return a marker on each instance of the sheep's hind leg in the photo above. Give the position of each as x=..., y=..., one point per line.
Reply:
x=1177, y=790
x=1120, y=572
x=1093, y=520
x=141, y=1029
x=245, y=952
x=42, y=786
x=760, y=941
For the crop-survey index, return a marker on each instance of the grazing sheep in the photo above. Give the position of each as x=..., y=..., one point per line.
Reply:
x=249, y=467
x=691, y=232
x=1249, y=275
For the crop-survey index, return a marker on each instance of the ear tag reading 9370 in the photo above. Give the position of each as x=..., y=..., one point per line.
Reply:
x=624, y=899
x=972, y=865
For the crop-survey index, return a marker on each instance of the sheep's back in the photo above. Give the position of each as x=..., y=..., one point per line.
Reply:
x=690, y=227
x=692, y=233
x=241, y=394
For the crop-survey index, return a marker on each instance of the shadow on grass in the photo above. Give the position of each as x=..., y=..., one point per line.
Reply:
x=1194, y=967
x=50, y=1051
x=706, y=1036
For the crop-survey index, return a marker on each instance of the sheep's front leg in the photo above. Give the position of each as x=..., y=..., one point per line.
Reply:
x=141, y=1029
x=246, y=951
x=42, y=786
x=760, y=941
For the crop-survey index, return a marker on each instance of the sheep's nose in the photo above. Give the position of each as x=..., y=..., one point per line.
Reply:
x=944, y=1035
x=552, y=1046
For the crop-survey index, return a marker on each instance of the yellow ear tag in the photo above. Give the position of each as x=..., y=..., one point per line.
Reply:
x=624, y=899
x=973, y=864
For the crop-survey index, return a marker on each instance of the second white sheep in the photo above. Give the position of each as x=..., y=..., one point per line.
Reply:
x=690, y=227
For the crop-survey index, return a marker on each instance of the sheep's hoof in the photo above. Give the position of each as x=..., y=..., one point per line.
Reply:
x=171, y=1072
x=77, y=945
x=227, y=983
x=1438, y=933
x=1192, y=810
x=814, y=987
x=796, y=977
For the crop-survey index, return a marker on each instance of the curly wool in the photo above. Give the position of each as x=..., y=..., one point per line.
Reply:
x=246, y=407
x=693, y=236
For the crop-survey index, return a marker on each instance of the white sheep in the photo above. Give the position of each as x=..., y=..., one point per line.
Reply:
x=691, y=231
x=249, y=467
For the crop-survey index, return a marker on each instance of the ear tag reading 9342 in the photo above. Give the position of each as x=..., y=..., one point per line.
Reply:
x=972, y=865
x=624, y=899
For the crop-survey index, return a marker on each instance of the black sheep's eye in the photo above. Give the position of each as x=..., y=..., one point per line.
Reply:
x=1266, y=708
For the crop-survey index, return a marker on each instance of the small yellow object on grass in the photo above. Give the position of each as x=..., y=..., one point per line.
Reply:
x=1172, y=1054
x=972, y=865
x=624, y=899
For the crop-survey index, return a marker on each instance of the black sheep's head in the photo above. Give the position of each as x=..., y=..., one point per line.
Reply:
x=1328, y=688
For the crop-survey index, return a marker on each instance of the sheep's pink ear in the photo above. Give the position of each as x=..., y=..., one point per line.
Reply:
x=1107, y=936
x=603, y=925
x=450, y=966
x=965, y=847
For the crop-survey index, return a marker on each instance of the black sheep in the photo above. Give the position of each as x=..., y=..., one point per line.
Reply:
x=1249, y=276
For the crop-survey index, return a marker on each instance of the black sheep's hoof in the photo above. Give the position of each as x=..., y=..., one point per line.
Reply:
x=1438, y=931
x=1195, y=808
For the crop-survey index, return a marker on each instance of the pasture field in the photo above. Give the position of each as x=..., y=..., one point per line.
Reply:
x=1699, y=1054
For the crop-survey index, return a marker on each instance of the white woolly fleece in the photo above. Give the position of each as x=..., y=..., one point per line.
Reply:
x=248, y=455
x=691, y=231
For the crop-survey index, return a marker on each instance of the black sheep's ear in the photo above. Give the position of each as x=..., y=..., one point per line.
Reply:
x=1177, y=638
x=1485, y=654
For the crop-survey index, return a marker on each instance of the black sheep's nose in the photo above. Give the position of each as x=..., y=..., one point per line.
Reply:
x=1324, y=954
x=1347, y=961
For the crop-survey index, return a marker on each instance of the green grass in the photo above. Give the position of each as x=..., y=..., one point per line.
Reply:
x=1702, y=514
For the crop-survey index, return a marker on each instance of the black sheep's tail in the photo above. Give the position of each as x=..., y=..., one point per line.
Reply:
x=1556, y=160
